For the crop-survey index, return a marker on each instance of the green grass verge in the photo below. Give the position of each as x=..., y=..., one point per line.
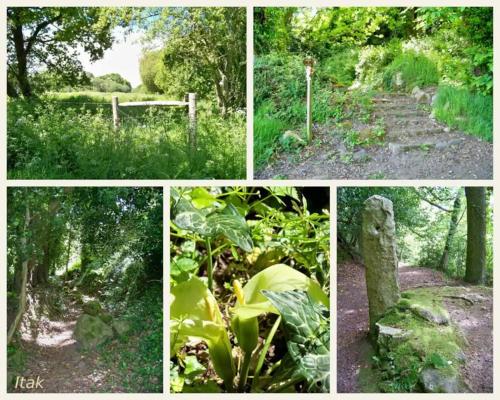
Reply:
x=63, y=137
x=469, y=112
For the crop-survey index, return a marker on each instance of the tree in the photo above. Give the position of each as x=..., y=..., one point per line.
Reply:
x=149, y=68
x=204, y=48
x=443, y=263
x=475, y=264
x=47, y=38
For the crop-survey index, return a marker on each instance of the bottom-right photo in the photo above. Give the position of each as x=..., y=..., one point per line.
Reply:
x=414, y=289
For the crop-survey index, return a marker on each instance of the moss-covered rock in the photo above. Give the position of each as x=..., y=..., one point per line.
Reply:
x=92, y=307
x=418, y=350
x=106, y=317
x=91, y=331
x=121, y=327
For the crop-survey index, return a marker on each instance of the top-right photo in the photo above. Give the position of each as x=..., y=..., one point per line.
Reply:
x=373, y=93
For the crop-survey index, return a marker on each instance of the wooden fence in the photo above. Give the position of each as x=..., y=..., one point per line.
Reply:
x=190, y=104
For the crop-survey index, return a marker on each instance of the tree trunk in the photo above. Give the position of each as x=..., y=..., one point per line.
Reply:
x=24, y=279
x=22, y=61
x=443, y=263
x=11, y=90
x=475, y=264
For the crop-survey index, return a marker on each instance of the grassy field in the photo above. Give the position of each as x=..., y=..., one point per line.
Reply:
x=71, y=136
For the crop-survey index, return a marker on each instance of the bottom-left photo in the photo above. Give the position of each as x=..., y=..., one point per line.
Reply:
x=84, y=289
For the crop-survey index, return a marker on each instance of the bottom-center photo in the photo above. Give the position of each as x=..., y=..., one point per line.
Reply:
x=250, y=289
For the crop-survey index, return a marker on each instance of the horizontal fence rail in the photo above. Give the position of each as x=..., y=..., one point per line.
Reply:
x=190, y=104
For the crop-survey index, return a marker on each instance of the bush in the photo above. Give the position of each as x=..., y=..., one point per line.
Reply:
x=340, y=67
x=415, y=69
x=461, y=109
x=372, y=62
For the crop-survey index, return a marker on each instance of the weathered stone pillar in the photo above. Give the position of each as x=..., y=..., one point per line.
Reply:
x=378, y=238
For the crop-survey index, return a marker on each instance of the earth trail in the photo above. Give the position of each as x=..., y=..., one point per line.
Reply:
x=354, y=349
x=415, y=146
x=53, y=356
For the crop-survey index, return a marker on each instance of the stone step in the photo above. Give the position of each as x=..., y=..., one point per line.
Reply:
x=400, y=113
x=397, y=148
x=416, y=131
x=417, y=121
x=396, y=104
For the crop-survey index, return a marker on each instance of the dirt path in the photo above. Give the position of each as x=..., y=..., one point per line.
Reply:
x=415, y=146
x=53, y=356
x=354, y=349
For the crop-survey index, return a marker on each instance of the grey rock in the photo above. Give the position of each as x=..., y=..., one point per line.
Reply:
x=438, y=381
x=361, y=156
x=436, y=315
x=395, y=148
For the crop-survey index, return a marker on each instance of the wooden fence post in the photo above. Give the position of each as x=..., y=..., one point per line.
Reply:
x=308, y=62
x=116, y=116
x=192, y=120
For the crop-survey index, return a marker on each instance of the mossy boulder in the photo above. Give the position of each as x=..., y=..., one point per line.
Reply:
x=91, y=331
x=417, y=347
x=106, y=317
x=121, y=327
x=92, y=307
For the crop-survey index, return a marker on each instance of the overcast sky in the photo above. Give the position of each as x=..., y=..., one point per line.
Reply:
x=122, y=58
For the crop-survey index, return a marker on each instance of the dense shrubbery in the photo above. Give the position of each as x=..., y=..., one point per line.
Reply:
x=48, y=139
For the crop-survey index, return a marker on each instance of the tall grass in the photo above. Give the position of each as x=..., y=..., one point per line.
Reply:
x=267, y=130
x=461, y=109
x=48, y=139
x=415, y=70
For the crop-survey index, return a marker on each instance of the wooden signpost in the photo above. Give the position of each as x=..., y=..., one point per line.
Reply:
x=190, y=104
x=309, y=62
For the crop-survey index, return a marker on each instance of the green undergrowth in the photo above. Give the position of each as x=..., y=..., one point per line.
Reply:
x=461, y=109
x=137, y=357
x=413, y=68
x=399, y=363
x=73, y=140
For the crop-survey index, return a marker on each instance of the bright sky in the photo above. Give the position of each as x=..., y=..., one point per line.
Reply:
x=122, y=58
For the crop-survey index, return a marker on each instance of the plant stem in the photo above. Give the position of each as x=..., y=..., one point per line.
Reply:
x=245, y=367
x=210, y=265
x=263, y=352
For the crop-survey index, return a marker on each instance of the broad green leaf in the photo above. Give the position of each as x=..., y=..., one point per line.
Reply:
x=182, y=264
x=193, y=367
x=194, y=314
x=307, y=330
x=279, y=277
x=176, y=381
x=202, y=198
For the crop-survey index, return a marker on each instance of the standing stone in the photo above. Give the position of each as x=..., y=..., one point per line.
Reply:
x=378, y=239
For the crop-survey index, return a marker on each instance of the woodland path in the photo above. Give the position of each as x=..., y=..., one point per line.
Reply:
x=415, y=146
x=354, y=350
x=53, y=355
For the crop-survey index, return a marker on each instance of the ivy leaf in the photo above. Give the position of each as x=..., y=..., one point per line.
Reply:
x=307, y=330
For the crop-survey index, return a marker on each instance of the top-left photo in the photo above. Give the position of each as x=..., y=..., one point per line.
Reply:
x=126, y=93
